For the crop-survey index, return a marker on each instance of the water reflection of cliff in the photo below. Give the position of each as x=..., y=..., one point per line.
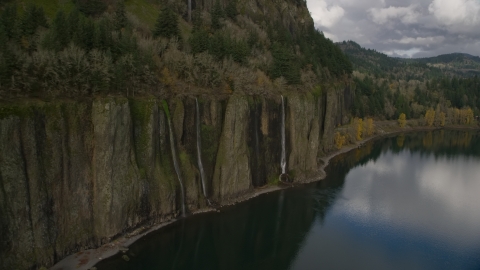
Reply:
x=267, y=232
x=264, y=233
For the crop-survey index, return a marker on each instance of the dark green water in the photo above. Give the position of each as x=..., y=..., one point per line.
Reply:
x=406, y=202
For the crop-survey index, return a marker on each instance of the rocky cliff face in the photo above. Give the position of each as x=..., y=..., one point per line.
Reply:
x=75, y=174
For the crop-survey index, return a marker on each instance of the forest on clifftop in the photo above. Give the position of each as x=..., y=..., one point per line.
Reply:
x=82, y=48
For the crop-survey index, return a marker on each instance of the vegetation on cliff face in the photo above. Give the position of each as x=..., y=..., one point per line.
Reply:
x=99, y=47
x=388, y=87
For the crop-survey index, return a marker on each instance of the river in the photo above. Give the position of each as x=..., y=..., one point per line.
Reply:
x=406, y=202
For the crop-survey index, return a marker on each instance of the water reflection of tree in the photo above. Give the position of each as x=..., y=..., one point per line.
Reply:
x=400, y=140
x=440, y=143
x=267, y=232
x=444, y=143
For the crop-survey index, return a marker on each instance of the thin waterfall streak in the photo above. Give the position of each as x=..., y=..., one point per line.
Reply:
x=199, y=150
x=283, y=162
x=175, y=164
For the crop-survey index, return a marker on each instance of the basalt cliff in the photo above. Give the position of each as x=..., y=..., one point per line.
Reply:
x=119, y=114
x=76, y=174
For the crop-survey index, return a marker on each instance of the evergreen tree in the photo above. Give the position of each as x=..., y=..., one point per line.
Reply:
x=284, y=64
x=231, y=9
x=40, y=18
x=217, y=46
x=199, y=41
x=217, y=13
x=73, y=22
x=8, y=65
x=61, y=31
x=3, y=37
x=121, y=20
x=197, y=20
x=91, y=7
x=167, y=24
x=9, y=20
x=86, y=34
x=103, y=37
x=252, y=39
x=3, y=62
x=33, y=17
x=240, y=51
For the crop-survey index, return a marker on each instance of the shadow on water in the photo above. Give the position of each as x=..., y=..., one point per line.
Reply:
x=276, y=231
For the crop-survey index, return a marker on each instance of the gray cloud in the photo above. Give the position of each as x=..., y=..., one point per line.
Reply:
x=403, y=28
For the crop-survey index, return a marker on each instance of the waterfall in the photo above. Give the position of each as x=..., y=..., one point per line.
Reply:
x=283, y=162
x=199, y=150
x=175, y=163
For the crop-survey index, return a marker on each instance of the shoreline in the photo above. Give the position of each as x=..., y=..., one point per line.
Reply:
x=87, y=259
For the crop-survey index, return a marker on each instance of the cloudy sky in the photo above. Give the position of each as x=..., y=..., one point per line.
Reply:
x=405, y=28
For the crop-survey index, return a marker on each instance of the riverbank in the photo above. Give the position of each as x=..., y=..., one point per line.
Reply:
x=86, y=259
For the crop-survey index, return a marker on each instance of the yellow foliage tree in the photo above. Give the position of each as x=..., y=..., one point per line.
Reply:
x=442, y=119
x=430, y=117
x=167, y=78
x=263, y=82
x=370, y=127
x=359, y=129
x=457, y=116
x=339, y=140
x=402, y=120
x=468, y=116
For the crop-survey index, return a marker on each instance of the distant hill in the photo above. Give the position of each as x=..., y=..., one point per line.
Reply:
x=379, y=64
x=388, y=86
x=460, y=63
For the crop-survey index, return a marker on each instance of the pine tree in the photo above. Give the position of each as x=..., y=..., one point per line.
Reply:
x=27, y=22
x=91, y=7
x=167, y=24
x=3, y=37
x=103, y=37
x=284, y=64
x=199, y=41
x=40, y=18
x=73, y=21
x=252, y=39
x=217, y=13
x=86, y=34
x=240, y=51
x=4, y=76
x=9, y=20
x=33, y=17
x=121, y=20
x=61, y=31
x=231, y=9
x=217, y=46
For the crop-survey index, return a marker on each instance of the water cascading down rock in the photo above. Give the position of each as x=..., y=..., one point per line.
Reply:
x=76, y=174
x=199, y=151
x=174, y=157
x=283, y=162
